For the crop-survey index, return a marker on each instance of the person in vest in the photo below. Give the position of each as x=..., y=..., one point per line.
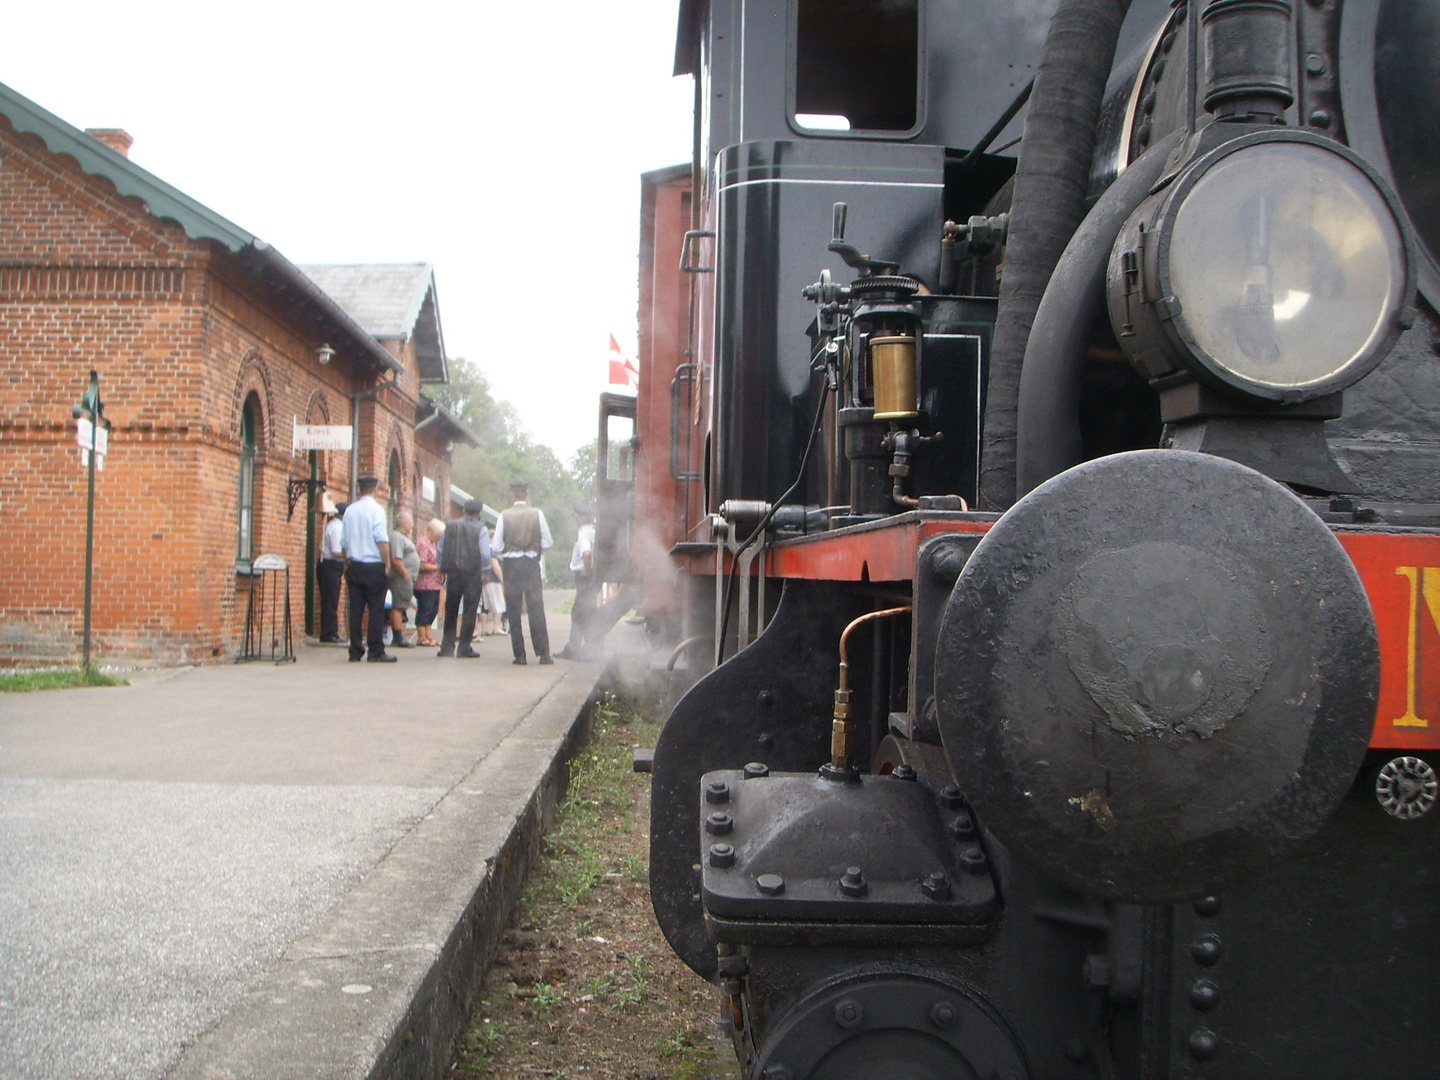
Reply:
x=464, y=555
x=521, y=535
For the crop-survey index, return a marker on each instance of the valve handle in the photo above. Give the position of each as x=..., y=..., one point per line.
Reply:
x=849, y=252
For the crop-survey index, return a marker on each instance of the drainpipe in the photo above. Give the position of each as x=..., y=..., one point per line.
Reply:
x=356, y=398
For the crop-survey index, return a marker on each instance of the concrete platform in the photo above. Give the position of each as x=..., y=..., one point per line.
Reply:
x=262, y=871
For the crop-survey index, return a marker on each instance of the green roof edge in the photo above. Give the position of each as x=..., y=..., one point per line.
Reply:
x=164, y=201
x=97, y=159
x=439, y=411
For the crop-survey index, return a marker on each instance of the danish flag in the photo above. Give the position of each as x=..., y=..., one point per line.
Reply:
x=623, y=371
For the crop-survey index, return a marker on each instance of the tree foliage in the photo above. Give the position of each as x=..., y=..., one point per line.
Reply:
x=507, y=451
x=583, y=464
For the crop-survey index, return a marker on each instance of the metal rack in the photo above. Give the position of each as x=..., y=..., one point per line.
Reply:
x=267, y=613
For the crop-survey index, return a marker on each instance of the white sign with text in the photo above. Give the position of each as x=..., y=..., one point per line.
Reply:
x=323, y=436
x=84, y=431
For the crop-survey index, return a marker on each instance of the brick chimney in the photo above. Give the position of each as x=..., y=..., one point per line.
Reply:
x=117, y=139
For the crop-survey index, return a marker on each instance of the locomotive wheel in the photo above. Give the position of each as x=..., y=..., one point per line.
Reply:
x=891, y=1027
x=1157, y=675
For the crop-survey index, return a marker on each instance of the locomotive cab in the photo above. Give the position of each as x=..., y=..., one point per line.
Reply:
x=1094, y=731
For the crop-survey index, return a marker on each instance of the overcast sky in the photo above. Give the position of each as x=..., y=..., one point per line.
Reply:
x=501, y=142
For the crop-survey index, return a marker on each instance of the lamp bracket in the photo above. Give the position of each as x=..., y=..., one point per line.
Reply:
x=300, y=486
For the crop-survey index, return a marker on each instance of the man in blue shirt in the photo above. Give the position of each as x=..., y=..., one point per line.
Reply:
x=367, y=558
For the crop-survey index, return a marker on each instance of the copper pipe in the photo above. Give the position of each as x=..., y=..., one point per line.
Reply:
x=841, y=728
x=680, y=649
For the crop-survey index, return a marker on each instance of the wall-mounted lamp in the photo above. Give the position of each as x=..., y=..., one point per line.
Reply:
x=323, y=353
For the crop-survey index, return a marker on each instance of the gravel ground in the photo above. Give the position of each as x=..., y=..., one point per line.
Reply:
x=147, y=941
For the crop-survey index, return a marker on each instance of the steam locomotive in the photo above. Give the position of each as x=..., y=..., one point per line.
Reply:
x=1037, y=464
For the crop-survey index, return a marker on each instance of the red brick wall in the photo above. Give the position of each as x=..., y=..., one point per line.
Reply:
x=432, y=460
x=180, y=332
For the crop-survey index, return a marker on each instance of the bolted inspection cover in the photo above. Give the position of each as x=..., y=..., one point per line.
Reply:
x=1157, y=675
x=806, y=850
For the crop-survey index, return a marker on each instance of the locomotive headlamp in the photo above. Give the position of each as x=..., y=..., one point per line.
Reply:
x=1275, y=265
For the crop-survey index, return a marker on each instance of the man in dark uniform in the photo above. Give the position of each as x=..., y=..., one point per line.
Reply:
x=331, y=571
x=521, y=535
x=464, y=556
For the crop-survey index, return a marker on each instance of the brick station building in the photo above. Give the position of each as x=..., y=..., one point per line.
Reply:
x=396, y=305
x=210, y=347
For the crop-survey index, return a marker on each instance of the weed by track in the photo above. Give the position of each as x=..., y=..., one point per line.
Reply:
x=57, y=679
x=584, y=984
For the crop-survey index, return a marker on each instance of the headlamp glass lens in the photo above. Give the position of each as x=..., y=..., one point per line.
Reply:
x=1287, y=263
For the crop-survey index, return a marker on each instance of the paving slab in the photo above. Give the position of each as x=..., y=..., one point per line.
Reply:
x=269, y=871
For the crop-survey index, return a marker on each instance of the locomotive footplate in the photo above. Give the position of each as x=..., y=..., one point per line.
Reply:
x=800, y=857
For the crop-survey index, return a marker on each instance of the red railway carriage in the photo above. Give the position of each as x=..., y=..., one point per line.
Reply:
x=652, y=445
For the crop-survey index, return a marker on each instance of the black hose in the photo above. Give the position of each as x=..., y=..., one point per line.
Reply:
x=1051, y=178
x=759, y=531
x=1048, y=410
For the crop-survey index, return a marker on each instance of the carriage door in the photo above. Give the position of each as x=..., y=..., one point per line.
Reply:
x=615, y=487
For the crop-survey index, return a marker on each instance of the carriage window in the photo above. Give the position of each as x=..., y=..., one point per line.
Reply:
x=857, y=65
x=619, y=447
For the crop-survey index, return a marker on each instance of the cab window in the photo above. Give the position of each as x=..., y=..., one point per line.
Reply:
x=856, y=66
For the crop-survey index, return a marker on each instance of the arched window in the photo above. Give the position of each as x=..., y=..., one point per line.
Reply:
x=249, y=442
x=393, y=480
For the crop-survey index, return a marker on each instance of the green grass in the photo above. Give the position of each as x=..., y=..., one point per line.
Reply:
x=598, y=800
x=611, y=1006
x=57, y=679
x=679, y=1043
x=638, y=992
x=482, y=1043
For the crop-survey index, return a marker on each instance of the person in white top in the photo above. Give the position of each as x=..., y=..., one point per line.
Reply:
x=493, y=594
x=367, y=557
x=331, y=571
x=587, y=588
x=520, y=494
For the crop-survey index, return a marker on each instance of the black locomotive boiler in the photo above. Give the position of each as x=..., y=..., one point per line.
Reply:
x=1064, y=530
